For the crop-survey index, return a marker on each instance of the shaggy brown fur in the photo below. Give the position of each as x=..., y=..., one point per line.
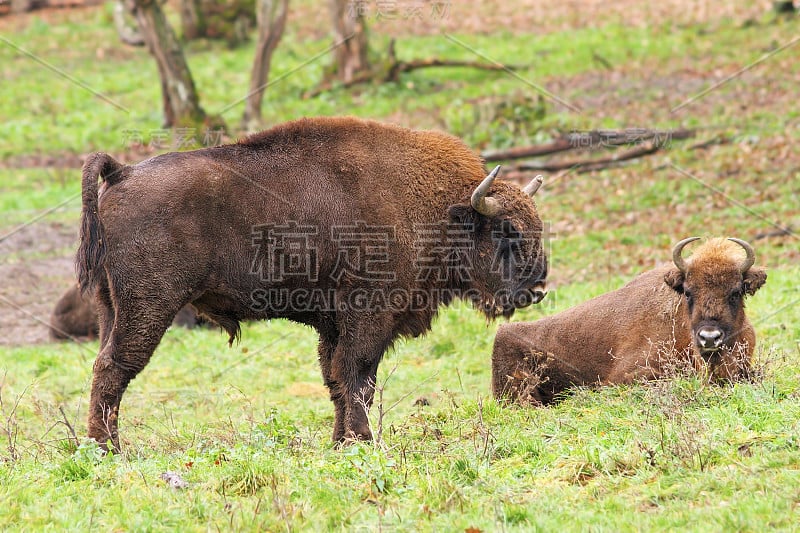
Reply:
x=75, y=317
x=636, y=332
x=180, y=228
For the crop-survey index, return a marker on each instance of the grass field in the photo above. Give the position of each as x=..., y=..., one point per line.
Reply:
x=248, y=427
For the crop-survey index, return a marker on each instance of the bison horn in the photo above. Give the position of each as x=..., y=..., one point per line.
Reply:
x=677, y=258
x=484, y=205
x=531, y=188
x=751, y=254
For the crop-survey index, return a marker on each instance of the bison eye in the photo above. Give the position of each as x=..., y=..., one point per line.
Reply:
x=507, y=230
x=735, y=296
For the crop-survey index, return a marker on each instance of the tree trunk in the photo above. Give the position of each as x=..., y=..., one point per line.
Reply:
x=127, y=31
x=271, y=17
x=22, y=6
x=783, y=7
x=349, y=29
x=181, y=103
x=230, y=20
x=192, y=20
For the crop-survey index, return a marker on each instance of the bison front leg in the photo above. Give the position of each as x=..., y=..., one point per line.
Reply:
x=353, y=371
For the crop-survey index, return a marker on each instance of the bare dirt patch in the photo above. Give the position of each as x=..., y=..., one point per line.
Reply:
x=401, y=18
x=36, y=266
x=410, y=17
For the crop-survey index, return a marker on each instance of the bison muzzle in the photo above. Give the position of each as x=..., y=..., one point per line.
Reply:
x=358, y=229
x=687, y=315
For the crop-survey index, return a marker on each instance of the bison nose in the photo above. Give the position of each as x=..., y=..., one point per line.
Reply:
x=539, y=291
x=709, y=337
x=529, y=295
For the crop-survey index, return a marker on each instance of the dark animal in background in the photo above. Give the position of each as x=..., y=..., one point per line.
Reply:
x=391, y=224
x=692, y=311
x=75, y=317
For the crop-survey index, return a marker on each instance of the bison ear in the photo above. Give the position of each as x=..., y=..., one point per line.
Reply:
x=674, y=278
x=463, y=214
x=754, y=279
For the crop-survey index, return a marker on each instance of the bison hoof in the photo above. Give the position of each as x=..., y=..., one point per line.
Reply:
x=352, y=437
x=107, y=446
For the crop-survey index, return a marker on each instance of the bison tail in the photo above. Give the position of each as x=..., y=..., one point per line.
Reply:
x=92, y=249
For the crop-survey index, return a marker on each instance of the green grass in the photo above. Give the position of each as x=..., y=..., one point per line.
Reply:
x=248, y=427
x=44, y=112
x=29, y=192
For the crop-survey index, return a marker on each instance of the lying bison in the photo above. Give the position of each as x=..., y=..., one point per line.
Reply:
x=75, y=317
x=358, y=229
x=693, y=310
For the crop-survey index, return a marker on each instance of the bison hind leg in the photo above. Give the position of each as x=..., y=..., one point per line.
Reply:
x=126, y=348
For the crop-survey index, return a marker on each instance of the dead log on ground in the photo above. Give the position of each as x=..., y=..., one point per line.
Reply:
x=589, y=165
x=593, y=139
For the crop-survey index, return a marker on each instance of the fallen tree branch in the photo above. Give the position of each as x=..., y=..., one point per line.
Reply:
x=588, y=165
x=592, y=140
x=714, y=141
x=364, y=77
x=782, y=232
x=390, y=70
x=400, y=67
x=71, y=434
x=559, y=145
x=602, y=60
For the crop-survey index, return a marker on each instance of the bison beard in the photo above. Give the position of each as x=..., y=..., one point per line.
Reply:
x=208, y=227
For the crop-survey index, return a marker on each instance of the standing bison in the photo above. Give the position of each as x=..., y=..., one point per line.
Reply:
x=358, y=229
x=694, y=310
